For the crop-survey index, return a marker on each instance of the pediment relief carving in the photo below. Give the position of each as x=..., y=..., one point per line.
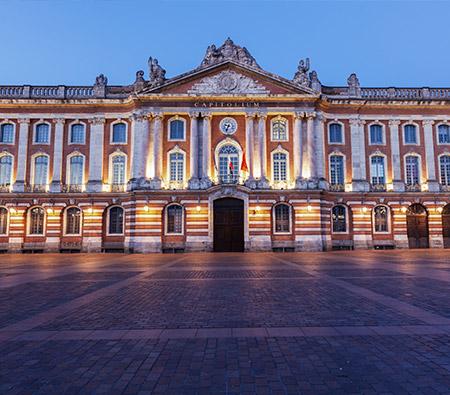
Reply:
x=228, y=82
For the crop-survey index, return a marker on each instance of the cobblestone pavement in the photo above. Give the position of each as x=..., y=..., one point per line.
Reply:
x=257, y=323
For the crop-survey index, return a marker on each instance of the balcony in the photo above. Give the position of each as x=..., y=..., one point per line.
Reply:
x=74, y=188
x=118, y=187
x=378, y=187
x=413, y=188
x=39, y=188
x=229, y=179
x=5, y=188
x=445, y=188
x=337, y=187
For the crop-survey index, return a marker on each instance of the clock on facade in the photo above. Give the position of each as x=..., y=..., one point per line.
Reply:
x=228, y=125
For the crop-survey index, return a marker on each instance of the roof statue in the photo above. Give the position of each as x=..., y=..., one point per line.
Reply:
x=101, y=80
x=228, y=51
x=354, y=87
x=157, y=75
x=99, y=88
x=301, y=76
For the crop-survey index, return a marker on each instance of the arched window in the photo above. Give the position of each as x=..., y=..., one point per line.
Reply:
x=410, y=134
x=119, y=133
x=76, y=170
x=376, y=134
x=115, y=220
x=279, y=129
x=228, y=164
x=381, y=219
x=377, y=170
x=444, y=134
x=176, y=160
x=337, y=170
x=37, y=219
x=176, y=129
x=335, y=133
x=5, y=170
x=339, y=219
x=444, y=162
x=40, y=170
x=42, y=135
x=73, y=221
x=279, y=165
x=412, y=170
x=282, y=218
x=174, y=214
x=77, y=134
x=3, y=221
x=7, y=133
x=118, y=163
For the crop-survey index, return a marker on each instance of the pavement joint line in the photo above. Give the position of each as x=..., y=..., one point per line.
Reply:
x=50, y=314
x=388, y=301
x=247, y=332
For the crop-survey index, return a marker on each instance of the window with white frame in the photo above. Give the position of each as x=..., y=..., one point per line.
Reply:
x=76, y=170
x=381, y=219
x=37, y=219
x=42, y=134
x=6, y=162
x=73, y=221
x=119, y=133
x=412, y=165
x=339, y=219
x=377, y=170
x=337, y=169
x=176, y=129
x=7, y=133
x=335, y=135
x=3, y=221
x=444, y=164
x=77, y=134
x=176, y=160
x=118, y=163
x=228, y=164
x=174, y=214
x=115, y=220
x=40, y=170
x=279, y=129
x=376, y=134
x=282, y=213
x=410, y=134
x=279, y=165
x=444, y=134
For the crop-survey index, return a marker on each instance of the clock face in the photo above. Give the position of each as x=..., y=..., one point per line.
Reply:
x=228, y=125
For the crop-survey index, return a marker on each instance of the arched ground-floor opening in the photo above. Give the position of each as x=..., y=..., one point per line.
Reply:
x=446, y=225
x=417, y=226
x=228, y=218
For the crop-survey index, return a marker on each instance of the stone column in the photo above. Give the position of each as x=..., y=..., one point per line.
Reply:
x=319, y=152
x=55, y=185
x=297, y=146
x=433, y=184
x=309, y=168
x=359, y=180
x=95, y=182
x=139, y=149
x=205, y=181
x=194, y=182
x=397, y=184
x=157, y=132
x=262, y=137
x=249, y=148
x=22, y=148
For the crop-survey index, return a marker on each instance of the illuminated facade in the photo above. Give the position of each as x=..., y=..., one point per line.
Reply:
x=224, y=157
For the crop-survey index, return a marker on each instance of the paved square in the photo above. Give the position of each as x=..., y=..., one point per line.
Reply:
x=338, y=322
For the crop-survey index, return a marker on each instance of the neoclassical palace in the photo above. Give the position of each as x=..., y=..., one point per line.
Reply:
x=225, y=157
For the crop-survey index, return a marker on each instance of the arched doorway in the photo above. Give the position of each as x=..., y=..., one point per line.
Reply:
x=228, y=225
x=417, y=225
x=446, y=225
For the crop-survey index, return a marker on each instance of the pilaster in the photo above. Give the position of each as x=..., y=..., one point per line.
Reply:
x=205, y=181
x=397, y=184
x=139, y=150
x=55, y=185
x=194, y=181
x=263, y=182
x=24, y=127
x=95, y=181
x=297, y=146
x=359, y=177
x=249, y=148
x=433, y=184
x=157, y=146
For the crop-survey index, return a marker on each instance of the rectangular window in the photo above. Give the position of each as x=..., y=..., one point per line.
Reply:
x=77, y=134
x=376, y=134
x=119, y=135
x=176, y=130
x=335, y=133
x=410, y=134
x=279, y=167
x=42, y=134
x=444, y=134
x=336, y=170
x=445, y=170
x=7, y=133
x=377, y=170
x=176, y=167
x=412, y=170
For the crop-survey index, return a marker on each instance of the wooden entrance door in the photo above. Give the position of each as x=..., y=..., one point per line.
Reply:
x=417, y=223
x=446, y=225
x=228, y=225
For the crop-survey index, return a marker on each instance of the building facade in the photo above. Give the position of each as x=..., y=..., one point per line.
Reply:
x=226, y=157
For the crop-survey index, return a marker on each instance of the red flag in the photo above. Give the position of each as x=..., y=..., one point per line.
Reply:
x=230, y=165
x=244, y=167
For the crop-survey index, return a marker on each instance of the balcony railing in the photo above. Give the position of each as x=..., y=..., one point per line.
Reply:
x=36, y=188
x=229, y=179
x=5, y=188
x=118, y=187
x=413, y=188
x=378, y=187
x=337, y=187
x=445, y=188
x=73, y=188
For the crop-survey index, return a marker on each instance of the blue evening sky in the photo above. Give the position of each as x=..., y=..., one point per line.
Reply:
x=387, y=43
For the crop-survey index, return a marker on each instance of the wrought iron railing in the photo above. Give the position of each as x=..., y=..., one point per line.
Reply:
x=413, y=188
x=73, y=188
x=337, y=187
x=378, y=187
x=36, y=188
x=118, y=187
x=229, y=179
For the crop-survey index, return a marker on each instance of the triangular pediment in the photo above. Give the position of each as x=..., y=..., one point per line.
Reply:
x=228, y=78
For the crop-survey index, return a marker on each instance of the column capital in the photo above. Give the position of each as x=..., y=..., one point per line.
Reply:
x=59, y=121
x=310, y=115
x=250, y=114
x=97, y=121
x=24, y=120
x=428, y=122
x=356, y=122
x=261, y=115
x=394, y=122
x=140, y=116
x=194, y=114
x=157, y=116
x=207, y=115
x=299, y=115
